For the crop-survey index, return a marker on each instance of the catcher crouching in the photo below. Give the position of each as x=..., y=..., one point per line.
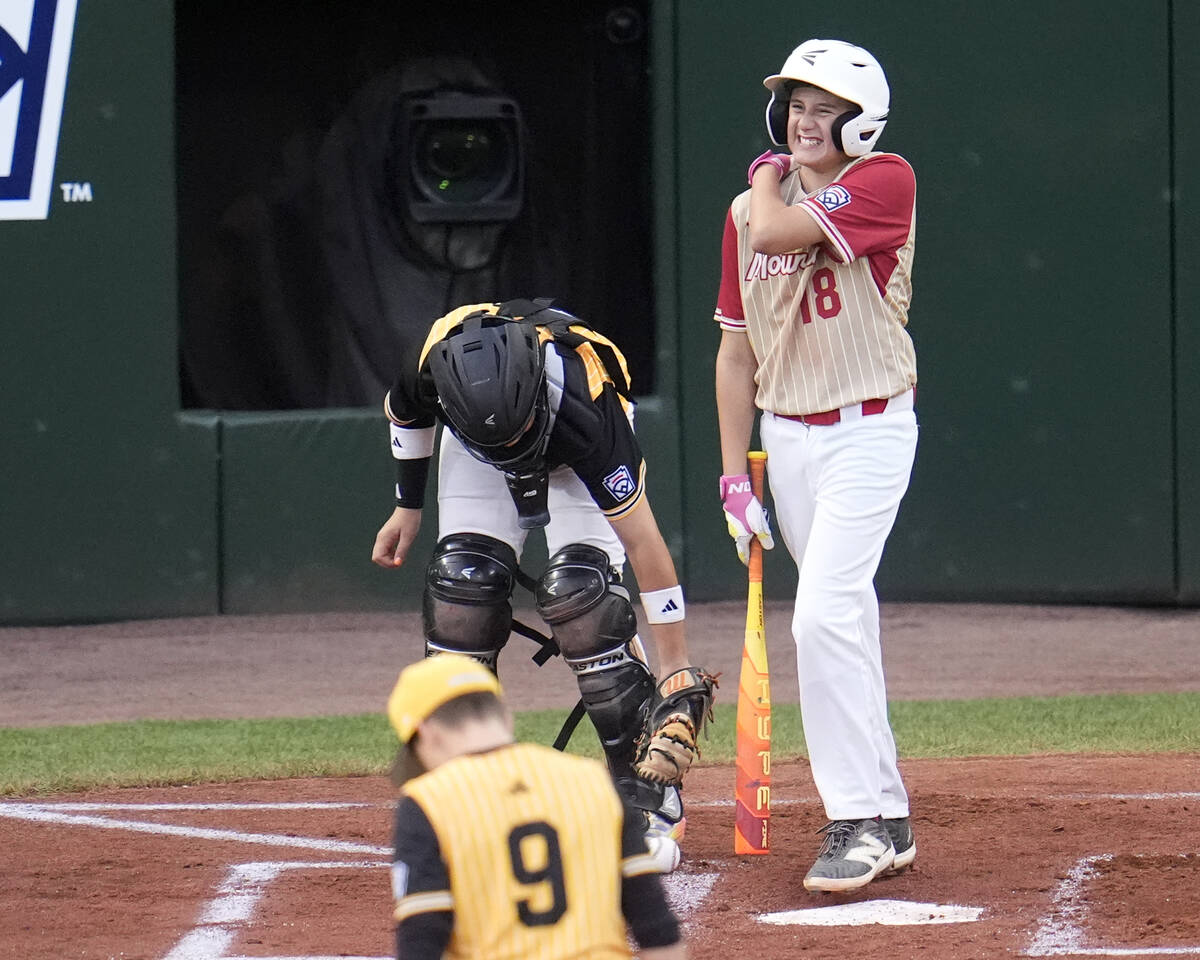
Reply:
x=537, y=409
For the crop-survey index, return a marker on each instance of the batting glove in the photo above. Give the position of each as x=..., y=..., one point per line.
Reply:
x=744, y=515
x=782, y=162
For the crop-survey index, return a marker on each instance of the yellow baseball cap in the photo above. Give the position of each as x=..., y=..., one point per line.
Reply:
x=421, y=689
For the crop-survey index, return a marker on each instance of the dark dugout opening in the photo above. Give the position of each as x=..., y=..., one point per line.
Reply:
x=346, y=175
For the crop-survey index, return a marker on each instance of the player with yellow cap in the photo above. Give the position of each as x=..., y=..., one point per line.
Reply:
x=512, y=850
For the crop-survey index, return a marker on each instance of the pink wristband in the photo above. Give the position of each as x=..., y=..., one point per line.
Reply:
x=782, y=162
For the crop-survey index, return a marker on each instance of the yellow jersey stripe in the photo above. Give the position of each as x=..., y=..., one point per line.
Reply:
x=431, y=901
x=641, y=864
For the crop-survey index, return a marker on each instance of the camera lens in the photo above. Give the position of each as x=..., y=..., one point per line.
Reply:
x=462, y=161
x=459, y=157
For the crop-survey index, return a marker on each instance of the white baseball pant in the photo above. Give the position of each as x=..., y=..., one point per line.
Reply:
x=473, y=497
x=836, y=492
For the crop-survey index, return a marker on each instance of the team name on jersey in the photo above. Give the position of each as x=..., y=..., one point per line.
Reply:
x=764, y=265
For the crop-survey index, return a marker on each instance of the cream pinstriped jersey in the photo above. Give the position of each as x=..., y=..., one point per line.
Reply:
x=827, y=323
x=535, y=845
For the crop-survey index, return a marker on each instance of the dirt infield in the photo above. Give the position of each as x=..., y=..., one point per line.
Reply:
x=1048, y=856
x=1045, y=856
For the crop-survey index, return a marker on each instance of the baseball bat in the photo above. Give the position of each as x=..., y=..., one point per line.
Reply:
x=752, y=792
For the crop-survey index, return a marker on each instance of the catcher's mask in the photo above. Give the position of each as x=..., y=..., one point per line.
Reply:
x=490, y=377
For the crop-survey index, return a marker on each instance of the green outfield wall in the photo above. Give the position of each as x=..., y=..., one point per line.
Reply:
x=1185, y=410
x=1056, y=316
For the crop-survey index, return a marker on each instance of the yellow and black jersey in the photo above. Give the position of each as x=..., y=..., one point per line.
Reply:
x=523, y=853
x=593, y=430
x=589, y=350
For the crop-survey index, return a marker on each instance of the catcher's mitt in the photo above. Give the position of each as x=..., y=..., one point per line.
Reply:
x=681, y=706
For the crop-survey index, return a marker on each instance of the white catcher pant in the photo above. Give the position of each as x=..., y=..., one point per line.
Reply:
x=472, y=497
x=836, y=492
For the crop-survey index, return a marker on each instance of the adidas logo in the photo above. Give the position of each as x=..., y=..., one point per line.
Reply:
x=671, y=605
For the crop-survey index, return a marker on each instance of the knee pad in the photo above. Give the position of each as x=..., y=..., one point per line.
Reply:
x=596, y=628
x=466, y=605
x=578, y=596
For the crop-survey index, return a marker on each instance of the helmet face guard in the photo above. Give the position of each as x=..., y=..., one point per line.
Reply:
x=844, y=70
x=524, y=452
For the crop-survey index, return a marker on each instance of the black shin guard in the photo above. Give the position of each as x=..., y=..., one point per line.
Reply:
x=596, y=629
x=615, y=687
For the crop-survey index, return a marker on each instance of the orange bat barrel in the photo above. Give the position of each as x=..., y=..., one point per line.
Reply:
x=752, y=792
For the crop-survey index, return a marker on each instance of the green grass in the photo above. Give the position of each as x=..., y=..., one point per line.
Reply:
x=41, y=760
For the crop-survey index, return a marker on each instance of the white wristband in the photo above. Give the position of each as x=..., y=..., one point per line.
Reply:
x=412, y=443
x=664, y=606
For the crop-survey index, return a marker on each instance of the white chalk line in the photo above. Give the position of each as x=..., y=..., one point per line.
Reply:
x=46, y=814
x=1122, y=952
x=203, y=806
x=223, y=917
x=1061, y=931
x=347, y=805
x=237, y=896
x=781, y=802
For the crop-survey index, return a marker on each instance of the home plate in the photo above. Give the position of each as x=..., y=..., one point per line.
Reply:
x=893, y=913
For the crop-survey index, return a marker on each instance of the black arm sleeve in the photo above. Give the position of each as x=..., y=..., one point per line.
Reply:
x=408, y=403
x=650, y=918
x=411, y=478
x=418, y=868
x=423, y=937
x=643, y=900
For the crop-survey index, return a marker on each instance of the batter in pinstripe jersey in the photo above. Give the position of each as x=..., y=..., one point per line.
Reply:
x=813, y=307
x=551, y=866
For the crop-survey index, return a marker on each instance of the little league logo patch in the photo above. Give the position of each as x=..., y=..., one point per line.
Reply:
x=35, y=49
x=833, y=197
x=620, y=483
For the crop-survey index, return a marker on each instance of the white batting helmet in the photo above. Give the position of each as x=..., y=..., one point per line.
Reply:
x=845, y=70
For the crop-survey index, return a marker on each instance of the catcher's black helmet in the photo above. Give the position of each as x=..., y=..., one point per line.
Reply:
x=491, y=383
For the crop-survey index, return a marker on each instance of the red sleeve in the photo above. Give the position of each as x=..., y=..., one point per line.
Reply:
x=729, y=310
x=869, y=210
